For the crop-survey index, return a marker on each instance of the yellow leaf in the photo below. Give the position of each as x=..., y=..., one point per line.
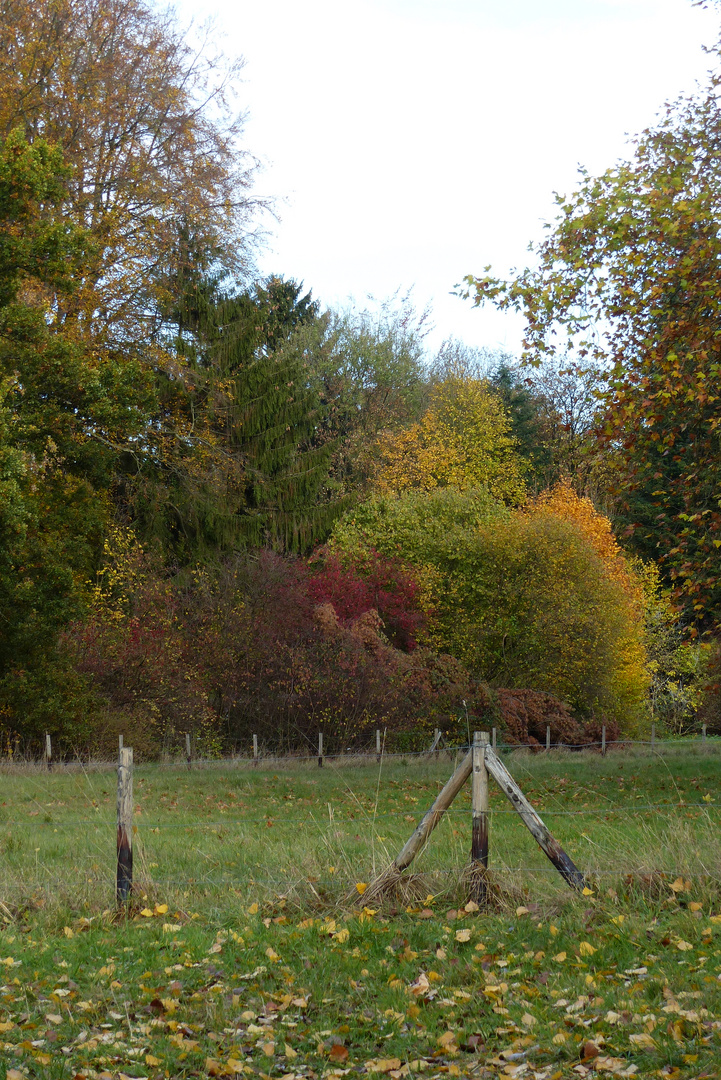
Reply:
x=151, y=1060
x=268, y=1049
x=677, y=886
x=587, y=891
x=528, y=1020
x=361, y=886
x=233, y=1065
x=463, y=935
x=342, y=935
x=161, y=909
x=289, y=1052
x=643, y=1041
x=213, y=1068
x=684, y=946
x=146, y=913
x=695, y=906
x=383, y=1065
x=586, y=948
x=559, y=1038
x=559, y=957
x=171, y=928
x=521, y=911
x=447, y=1040
x=68, y=932
x=553, y=930
x=471, y=906
x=253, y=909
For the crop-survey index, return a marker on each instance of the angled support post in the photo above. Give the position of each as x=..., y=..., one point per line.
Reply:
x=548, y=844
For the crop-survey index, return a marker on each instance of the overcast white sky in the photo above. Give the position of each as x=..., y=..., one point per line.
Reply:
x=415, y=141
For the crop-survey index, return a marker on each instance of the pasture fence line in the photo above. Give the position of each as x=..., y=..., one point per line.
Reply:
x=374, y=750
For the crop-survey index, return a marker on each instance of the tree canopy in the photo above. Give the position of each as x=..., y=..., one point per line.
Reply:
x=629, y=278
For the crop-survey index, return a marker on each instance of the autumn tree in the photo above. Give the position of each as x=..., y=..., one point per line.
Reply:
x=146, y=120
x=630, y=278
x=536, y=598
x=463, y=441
x=66, y=410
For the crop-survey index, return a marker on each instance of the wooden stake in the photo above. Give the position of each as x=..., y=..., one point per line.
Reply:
x=188, y=754
x=703, y=732
x=603, y=740
x=255, y=749
x=378, y=745
x=48, y=753
x=320, y=749
x=493, y=738
x=548, y=844
x=479, y=815
x=548, y=737
x=124, y=880
x=120, y=743
x=431, y=818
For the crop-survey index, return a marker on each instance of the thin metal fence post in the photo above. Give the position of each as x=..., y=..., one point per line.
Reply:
x=320, y=749
x=378, y=745
x=603, y=740
x=255, y=749
x=548, y=737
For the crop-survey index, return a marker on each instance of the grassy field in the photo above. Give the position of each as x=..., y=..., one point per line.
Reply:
x=249, y=948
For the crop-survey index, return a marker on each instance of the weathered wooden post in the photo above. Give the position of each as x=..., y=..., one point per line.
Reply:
x=378, y=745
x=124, y=879
x=120, y=743
x=320, y=749
x=479, y=815
x=188, y=753
x=548, y=737
x=548, y=844
x=603, y=740
x=48, y=753
x=493, y=738
x=255, y=749
x=703, y=732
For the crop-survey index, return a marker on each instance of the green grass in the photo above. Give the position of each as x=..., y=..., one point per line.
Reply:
x=264, y=959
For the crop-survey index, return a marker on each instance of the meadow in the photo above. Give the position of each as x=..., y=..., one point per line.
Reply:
x=249, y=949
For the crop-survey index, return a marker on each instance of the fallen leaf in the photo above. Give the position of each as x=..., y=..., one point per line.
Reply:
x=383, y=1065
x=586, y=948
x=338, y=1052
x=161, y=909
x=147, y=914
x=521, y=911
x=589, y=1050
x=268, y=1048
x=560, y=957
x=463, y=935
x=643, y=1041
x=361, y=886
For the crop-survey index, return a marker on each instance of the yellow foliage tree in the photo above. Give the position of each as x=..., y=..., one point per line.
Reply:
x=463, y=441
x=562, y=502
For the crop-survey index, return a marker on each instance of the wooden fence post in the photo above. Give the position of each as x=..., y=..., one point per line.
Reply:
x=188, y=752
x=548, y=737
x=124, y=879
x=120, y=743
x=603, y=740
x=378, y=745
x=320, y=749
x=493, y=738
x=703, y=732
x=255, y=749
x=548, y=844
x=479, y=815
x=48, y=753
x=431, y=818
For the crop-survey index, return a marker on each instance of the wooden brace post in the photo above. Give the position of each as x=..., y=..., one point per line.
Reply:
x=548, y=844
x=431, y=818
